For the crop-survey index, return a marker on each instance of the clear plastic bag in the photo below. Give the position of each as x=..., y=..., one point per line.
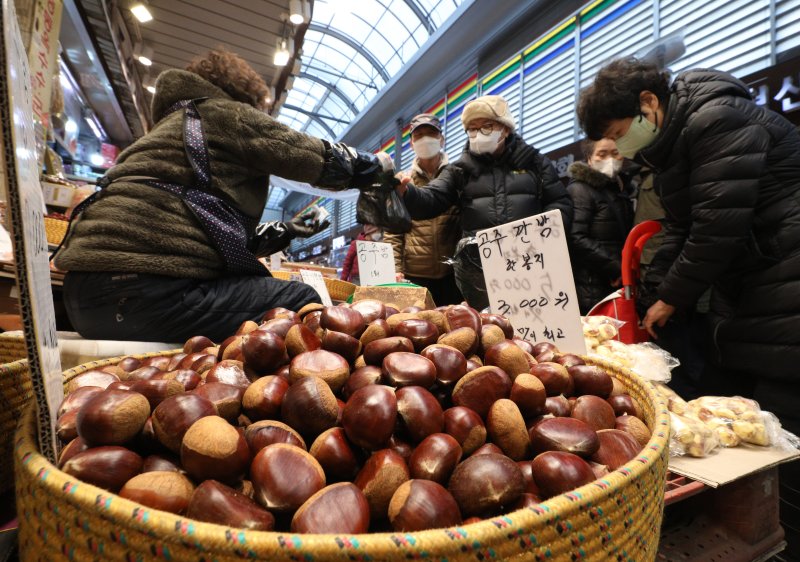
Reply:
x=689, y=436
x=652, y=362
x=675, y=403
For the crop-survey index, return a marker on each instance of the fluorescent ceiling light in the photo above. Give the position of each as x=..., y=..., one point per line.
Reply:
x=144, y=60
x=282, y=55
x=141, y=12
x=296, y=15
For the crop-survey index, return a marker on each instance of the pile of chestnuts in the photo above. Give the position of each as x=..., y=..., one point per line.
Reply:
x=349, y=419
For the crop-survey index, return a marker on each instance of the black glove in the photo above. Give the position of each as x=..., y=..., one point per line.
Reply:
x=347, y=167
x=524, y=156
x=305, y=225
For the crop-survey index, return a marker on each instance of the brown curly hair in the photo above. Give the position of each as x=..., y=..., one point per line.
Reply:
x=232, y=74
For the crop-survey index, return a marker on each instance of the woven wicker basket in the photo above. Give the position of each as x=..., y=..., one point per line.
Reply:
x=338, y=289
x=614, y=518
x=55, y=230
x=15, y=394
x=12, y=347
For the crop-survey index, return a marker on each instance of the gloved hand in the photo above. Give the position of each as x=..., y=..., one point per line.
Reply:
x=523, y=156
x=306, y=225
x=346, y=167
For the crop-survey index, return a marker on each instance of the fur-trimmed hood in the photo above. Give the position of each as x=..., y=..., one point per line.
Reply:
x=581, y=171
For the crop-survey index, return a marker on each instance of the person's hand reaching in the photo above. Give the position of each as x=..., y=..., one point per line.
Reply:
x=306, y=225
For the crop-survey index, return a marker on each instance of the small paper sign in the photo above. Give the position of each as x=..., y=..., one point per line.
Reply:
x=275, y=261
x=529, y=280
x=20, y=175
x=375, y=263
x=315, y=279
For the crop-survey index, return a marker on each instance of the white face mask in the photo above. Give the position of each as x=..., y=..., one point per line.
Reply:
x=608, y=166
x=376, y=236
x=427, y=147
x=485, y=144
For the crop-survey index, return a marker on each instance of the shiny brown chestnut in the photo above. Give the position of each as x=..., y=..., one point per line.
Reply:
x=464, y=339
x=557, y=406
x=263, y=351
x=590, y=379
x=157, y=390
x=370, y=309
x=529, y=394
x=507, y=430
x=554, y=377
x=214, y=502
x=435, y=458
x=635, y=427
x=300, y=338
x=419, y=413
x=486, y=484
x=188, y=378
x=490, y=335
x=335, y=454
x=66, y=426
x=359, y=378
x=228, y=371
x=479, y=389
x=624, y=404
x=309, y=406
x=212, y=449
x=108, y=467
x=594, y=411
x=160, y=362
x=488, y=449
x=284, y=477
x=129, y=363
x=267, y=432
x=71, y=449
x=376, y=351
x=450, y=363
x=616, y=448
x=422, y=333
x=569, y=360
x=277, y=312
x=339, y=508
x=460, y=316
x=369, y=416
x=400, y=447
x=262, y=399
x=341, y=319
x=325, y=365
x=527, y=475
x=342, y=344
x=175, y=415
x=246, y=327
x=112, y=417
x=187, y=361
x=91, y=378
x=556, y=472
x=160, y=463
x=564, y=434
x=501, y=321
x=376, y=330
x=168, y=490
x=78, y=398
x=466, y=426
x=278, y=326
x=402, y=368
x=227, y=398
x=382, y=473
x=196, y=343
x=524, y=345
x=418, y=505
x=508, y=357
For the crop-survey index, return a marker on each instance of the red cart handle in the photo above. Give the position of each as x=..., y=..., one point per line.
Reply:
x=632, y=252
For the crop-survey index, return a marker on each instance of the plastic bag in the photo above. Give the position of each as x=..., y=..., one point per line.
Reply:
x=383, y=207
x=689, y=436
x=675, y=403
x=652, y=362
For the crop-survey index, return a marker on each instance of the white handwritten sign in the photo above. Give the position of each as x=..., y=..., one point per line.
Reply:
x=275, y=261
x=529, y=280
x=375, y=263
x=315, y=279
x=20, y=175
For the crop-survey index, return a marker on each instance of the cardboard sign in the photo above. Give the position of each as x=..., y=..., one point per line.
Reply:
x=375, y=263
x=26, y=204
x=315, y=279
x=529, y=280
x=275, y=261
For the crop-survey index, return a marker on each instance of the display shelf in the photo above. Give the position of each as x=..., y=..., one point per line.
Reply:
x=680, y=488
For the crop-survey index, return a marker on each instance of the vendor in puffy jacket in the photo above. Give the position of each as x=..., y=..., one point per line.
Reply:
x=499, y=178
x=601, y=195
x=168, y=248
x=728, y=174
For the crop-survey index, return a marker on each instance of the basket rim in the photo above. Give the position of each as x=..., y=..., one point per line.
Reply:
x=492, y=531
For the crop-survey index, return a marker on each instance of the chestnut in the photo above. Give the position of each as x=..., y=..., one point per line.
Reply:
x=375, y=351
x=300, y=338
x=235, y=342
x=309, y=406
x=554, y=377
x=524, y=345
x=460, y=316
x=635, y=427
x=167, y=490
x=278, y=312
x=112, y=417
x=400, y=447
x=78, y=398
x=263, y=351
x=507, y=429
x=129, y=363
x=490, y=335
x=376, y=330
x=527, y=474
x=556, y=472
x=196, y=343
x=450, y=363
x=228, y=371
x=419, y=412
x=284, y=477
x=479, y=389
x=402, y=368
x=594, y=411
x=617, y=387
x=175, y=415
x=624, y=404
x=369, y=416
x=418, y=505
x=214, y=502
x=472, y=365
x=488, y=449
x=370, y=309
x=463, y=339
x=435, y=458
x=212, y=449
x=227, y=398
x=422, y=333
x=529, y=394
x=500, y=321
x=466, y=426
x=108, y=467
x=188, y=378
x=246, y=327
x=557, y=406
x=434, y=316
x=312, y=321
x=616, y=448
x=157, y=390
x=278, y=326
x=335, y=454
x=341, y=319
x=71, y=449
x=543, y=347
x=262, y=399
x=589, y=379
x=330, y=367
x=267, y=432
x=379, y=478
x=160, y=362
x=338, y=508
x=564, y=434
x=187, y=361
x=91, y=378
x=119, y=385
x=569, y=360
x=160, y=463
x=342, y=344
x=508, y=357
x=359, y=378
x=485, y=484
x=395, y=319
x=526, y=500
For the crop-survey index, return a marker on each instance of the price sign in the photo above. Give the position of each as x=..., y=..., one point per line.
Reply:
x=315, y=279
x=20, y=177
x=375, y=263
x=529, y=280
x=275, y=261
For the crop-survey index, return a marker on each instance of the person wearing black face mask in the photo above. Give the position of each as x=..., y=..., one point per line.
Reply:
x=499, y=178
x=603, y=218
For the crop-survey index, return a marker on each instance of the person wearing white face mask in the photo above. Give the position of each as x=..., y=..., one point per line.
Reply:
x=603, y=217
x=421, y=254
x=498, y=178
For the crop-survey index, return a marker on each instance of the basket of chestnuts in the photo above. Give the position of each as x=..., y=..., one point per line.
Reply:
x=352, y=432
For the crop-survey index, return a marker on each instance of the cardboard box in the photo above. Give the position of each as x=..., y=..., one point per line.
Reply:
x=397, y=295
x=728, y=464
x=57, y=195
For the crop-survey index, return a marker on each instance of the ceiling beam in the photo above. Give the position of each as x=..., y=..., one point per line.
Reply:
x=315, y=116
x=358, y=47
x=332, y=88
x=423, y=17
